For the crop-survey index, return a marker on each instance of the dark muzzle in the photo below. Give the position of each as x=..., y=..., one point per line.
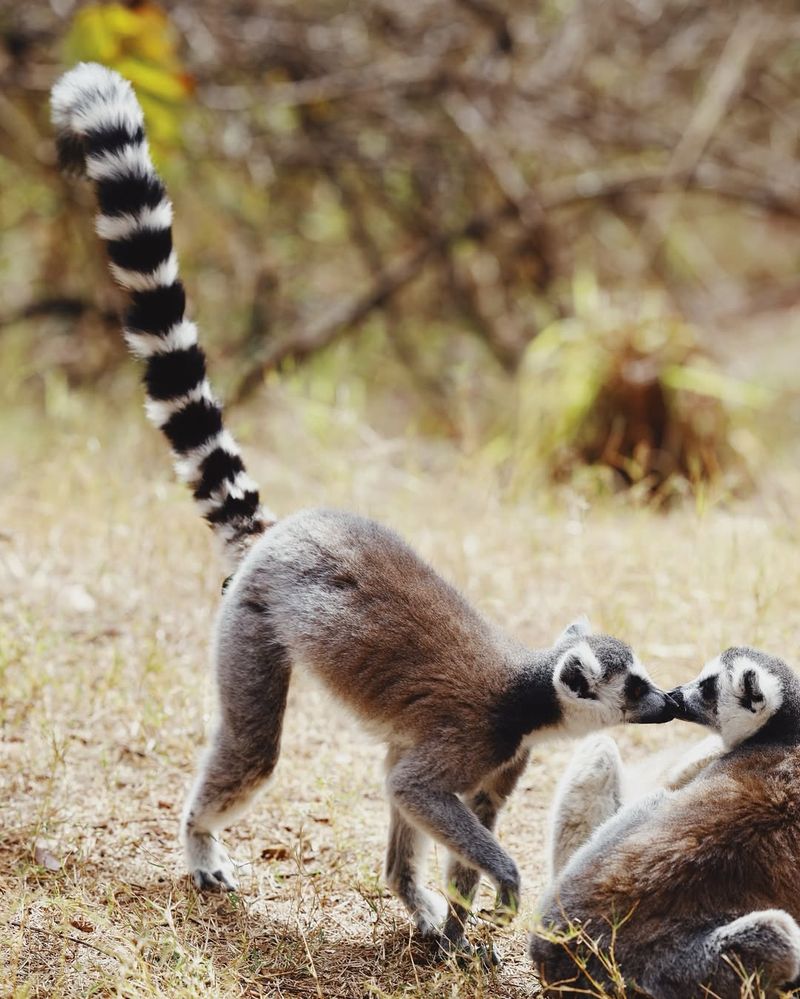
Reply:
x=681, y=711
x=658, y=714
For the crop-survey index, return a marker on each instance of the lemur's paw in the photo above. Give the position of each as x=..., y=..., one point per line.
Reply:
x=506, y=906
x=223, y=879
x=211, y=868
x=461, y=952
x=488, y=956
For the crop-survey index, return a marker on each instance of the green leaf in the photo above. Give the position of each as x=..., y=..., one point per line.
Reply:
x=716, y=385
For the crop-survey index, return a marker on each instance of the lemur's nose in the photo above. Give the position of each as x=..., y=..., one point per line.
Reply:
x=677, y=698
x=671, y=708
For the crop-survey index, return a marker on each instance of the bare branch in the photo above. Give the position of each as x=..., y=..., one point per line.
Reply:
x=348, y=314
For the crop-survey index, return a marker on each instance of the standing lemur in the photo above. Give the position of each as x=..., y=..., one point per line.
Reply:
x=457, y=702
x=685, y=891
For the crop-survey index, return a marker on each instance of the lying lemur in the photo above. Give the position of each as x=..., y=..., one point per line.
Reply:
x=457, y=702
x=698, y=885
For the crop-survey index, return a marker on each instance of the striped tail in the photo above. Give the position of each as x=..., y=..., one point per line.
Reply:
x=101, y=134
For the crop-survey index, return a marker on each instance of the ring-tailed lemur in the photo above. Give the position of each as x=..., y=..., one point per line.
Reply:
x=457, y=702
x=698, y=886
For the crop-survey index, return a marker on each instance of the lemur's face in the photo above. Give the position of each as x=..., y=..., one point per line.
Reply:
x=735, y=694
x=600, y=682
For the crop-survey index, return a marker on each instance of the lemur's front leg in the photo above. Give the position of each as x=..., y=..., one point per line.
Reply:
x=426, y=803
x=462, y=881
x=693, y=762
x=589, y=793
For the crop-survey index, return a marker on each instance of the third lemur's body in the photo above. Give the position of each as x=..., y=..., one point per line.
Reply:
x=693, y=888
x=456, y=701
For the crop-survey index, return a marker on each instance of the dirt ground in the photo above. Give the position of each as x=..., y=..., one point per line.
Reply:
x=108, y=586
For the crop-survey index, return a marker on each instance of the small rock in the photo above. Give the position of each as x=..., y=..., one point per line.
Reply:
x=44, y=858
x=77, y=598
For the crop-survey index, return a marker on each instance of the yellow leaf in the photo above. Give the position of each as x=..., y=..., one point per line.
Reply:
x=152, y=80
x=91, y=37
x=162, y=124
x=124, y=22
x=715, y=384
x=585, y=294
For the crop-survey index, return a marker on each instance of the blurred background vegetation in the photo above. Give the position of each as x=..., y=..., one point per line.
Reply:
x=563, y=235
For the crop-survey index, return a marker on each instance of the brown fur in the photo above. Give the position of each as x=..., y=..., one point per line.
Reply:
x=454, y=699
x=679, y=867
x=398, y=645
x=736, y=825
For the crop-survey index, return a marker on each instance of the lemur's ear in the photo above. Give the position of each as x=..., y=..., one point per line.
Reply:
x=578, y=672
x=752, y=694
x=579, y=628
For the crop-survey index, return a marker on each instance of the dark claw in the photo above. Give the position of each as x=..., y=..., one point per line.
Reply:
x=226, y=884
x=205, y=881
x=487, y=954
x=466, y=955
x=503, y=913
x=216, y=882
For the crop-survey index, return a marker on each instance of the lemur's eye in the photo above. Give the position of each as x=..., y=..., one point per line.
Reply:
x=708, y=688
x=635, y=688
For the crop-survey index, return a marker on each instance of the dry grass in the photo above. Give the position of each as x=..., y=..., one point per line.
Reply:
x=598, y=965
x=108, y=583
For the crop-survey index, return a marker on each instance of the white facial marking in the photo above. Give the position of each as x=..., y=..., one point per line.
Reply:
x=637, y=669
x=711, y=668
x=738, y=721
x=587, y=714
x=590, y=667
x=705, y=711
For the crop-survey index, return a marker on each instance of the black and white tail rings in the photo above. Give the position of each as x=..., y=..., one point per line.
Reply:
x=101, y=134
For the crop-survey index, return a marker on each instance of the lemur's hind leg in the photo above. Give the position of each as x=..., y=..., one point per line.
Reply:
x=589, y=792
x=405, y=869
x=462, y=881
x=766, y=942
x=253, y=675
